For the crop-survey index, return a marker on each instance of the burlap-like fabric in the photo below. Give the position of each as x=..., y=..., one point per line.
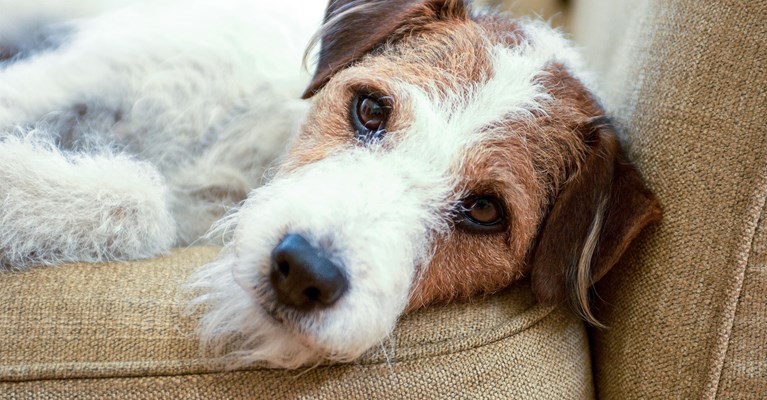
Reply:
x=744, y=374
x=118, y=331
x=687, y=306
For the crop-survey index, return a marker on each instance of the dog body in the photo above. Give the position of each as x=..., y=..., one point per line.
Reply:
x=444, y=153
x=202, y=101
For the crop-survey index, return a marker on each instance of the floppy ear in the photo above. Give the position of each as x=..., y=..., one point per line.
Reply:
x=354, y=28
x=600, y=210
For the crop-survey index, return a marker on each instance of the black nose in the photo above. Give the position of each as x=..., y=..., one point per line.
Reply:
x=303, y=277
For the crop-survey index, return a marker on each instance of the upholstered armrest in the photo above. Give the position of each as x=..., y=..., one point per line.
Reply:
x=119, y=330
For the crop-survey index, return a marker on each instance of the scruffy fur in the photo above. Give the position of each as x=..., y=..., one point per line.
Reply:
x=122, y=140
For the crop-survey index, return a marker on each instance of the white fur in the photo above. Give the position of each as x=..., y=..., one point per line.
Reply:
x=24, y=24
x=203, y=95
x=210, y=105
x=58, y=207
x=348, y=212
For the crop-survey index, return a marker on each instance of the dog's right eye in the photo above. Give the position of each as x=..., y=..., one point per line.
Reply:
x=369, y=115
x=482, y=214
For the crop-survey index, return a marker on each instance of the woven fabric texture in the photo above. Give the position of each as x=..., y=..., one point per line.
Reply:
x=744, y=374
x=118, y=331
x=686, y=307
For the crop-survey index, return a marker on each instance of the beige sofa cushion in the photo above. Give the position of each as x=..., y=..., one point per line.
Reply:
x=687, y=309
x=117, y=331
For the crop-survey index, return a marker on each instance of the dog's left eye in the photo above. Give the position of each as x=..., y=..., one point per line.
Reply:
x=369, y=115
x=482, y=214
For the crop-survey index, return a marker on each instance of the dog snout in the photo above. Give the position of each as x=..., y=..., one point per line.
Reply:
x=303, y=277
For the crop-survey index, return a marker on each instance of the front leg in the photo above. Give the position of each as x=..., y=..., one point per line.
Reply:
x=57, y=207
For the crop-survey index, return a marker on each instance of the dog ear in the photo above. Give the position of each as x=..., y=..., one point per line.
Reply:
x=598, y=213
x=354, y=28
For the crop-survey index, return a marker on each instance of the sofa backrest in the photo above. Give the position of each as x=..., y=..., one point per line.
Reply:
x=687, y=307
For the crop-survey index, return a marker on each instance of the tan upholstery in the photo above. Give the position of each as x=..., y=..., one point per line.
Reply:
x=744, y=373
x=117, y=330
x=688, y=306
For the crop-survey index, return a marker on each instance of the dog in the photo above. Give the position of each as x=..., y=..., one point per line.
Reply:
x=436, y=153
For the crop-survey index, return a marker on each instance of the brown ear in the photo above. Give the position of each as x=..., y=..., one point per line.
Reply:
x=598, y=213
x=354, y=28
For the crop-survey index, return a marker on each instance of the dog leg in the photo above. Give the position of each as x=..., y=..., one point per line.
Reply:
x=57, y=207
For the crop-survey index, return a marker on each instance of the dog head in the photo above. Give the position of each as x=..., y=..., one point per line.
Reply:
x=446, y=154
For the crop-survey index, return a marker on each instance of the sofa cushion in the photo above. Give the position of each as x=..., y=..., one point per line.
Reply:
x=118, y=330
x=688, y=83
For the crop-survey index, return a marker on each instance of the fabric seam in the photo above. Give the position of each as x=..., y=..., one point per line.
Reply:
x=719, y=353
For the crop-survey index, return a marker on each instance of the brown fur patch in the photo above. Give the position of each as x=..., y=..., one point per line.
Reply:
x=466, y=263
x=348, y=33
x=500, y=29
x=446, y=55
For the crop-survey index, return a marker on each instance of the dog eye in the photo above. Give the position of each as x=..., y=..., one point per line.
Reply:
x=369, y=115
x=482, y=214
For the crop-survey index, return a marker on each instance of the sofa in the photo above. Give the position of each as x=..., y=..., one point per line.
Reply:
x=686, y=308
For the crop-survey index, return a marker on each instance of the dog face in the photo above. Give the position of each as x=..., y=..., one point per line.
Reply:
x=445, y=155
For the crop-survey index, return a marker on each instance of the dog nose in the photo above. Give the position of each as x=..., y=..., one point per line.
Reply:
x=303, y=277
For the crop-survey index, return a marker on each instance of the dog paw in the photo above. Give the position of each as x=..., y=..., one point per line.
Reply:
x=55, y=209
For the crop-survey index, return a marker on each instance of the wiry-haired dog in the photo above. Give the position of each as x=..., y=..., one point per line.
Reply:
x=443, y=153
